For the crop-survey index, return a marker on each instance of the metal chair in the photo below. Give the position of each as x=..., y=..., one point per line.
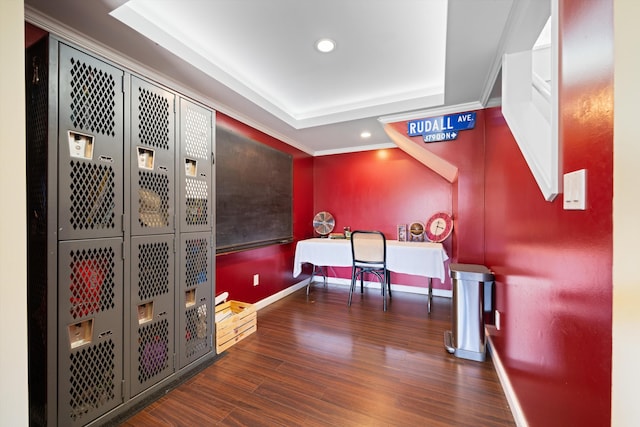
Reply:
x=369, y=252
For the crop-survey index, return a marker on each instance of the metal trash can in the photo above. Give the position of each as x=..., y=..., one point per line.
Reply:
x=467, y=339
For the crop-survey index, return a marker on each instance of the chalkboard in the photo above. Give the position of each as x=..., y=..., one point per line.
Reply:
x=254, y=185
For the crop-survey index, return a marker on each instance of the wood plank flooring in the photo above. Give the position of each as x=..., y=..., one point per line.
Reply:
x=316, y=362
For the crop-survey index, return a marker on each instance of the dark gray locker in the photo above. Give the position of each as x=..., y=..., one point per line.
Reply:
x=196, y=171
x=90, y=321
x=153, y=166
x=41, y=344
x=152, y=310
x=90, y=143
x=195, y=302
x=104, y=243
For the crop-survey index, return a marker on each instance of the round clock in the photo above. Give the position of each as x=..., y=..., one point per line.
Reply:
x=439, y=227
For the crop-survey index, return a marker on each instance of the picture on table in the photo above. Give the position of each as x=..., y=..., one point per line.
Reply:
x=402, y=232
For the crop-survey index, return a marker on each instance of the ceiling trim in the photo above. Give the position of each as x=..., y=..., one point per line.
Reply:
x=431, y=112
x=277, y=126
x=154, y=24
x=355, y=149
x=69, y=35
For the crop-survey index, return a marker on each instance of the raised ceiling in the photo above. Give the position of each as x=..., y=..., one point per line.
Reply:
x=255, y=60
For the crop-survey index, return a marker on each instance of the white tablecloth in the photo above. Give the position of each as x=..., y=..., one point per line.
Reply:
x=419, y=258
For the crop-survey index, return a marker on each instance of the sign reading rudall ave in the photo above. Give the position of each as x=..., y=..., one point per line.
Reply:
x=444, y=128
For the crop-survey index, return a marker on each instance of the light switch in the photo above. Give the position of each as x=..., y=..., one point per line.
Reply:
x=575, y=190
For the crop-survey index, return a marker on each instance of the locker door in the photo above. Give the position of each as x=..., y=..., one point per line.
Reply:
x=90, y=141
x=196, y=304
x=90, y=329
x=152, y=315
x=153, y=167
x=196, y=170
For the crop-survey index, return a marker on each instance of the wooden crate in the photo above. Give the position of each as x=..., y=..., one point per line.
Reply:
x=234, y=322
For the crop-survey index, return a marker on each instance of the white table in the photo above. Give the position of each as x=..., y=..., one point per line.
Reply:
x=417, y=258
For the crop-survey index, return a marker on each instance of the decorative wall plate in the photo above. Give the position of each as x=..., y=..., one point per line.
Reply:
x=416, y=232
x=439, y=227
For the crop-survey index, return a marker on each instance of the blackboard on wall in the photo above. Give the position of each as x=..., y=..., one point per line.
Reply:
x=254, y=186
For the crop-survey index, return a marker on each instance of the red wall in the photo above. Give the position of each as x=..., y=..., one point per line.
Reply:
x=380, y=189
x=274, y=264
x=554, y=267
x=377, y=190
x=32, y=34
x=468, y=205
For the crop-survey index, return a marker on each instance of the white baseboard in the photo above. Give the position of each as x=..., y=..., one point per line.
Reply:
x=420, y=290
x=347, y=282
x=514, y=403
x=277, y=296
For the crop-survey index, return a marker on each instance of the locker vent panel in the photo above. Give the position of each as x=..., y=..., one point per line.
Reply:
x=92, y=382
x=153, y=352
x=39, y=105
x=93, y=105
x=154, y=119
x=91, y=281
x=196, y=330
x=196, y=134
x=153, y=270
x=196, y=262
x=92, y=196
x=153, y=200
x=197, y=205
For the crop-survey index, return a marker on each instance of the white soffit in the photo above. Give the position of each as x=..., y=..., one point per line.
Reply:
x=264, y=51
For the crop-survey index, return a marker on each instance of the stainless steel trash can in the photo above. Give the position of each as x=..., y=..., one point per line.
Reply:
x=467, y=339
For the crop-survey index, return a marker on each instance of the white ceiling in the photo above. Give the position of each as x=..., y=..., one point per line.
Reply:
x=255, y=59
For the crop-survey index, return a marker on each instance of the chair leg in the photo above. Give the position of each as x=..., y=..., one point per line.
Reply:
x=388, y=278
x=353, y=285
x=383, y=283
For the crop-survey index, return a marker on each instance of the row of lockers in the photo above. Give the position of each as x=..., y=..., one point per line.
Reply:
x=120, y=203
x=100, y=344
x=92, y=164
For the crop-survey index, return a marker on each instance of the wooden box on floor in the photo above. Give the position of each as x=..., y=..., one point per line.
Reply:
x=234, y=322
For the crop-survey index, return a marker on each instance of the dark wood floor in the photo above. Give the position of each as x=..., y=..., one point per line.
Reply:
x=316, y=362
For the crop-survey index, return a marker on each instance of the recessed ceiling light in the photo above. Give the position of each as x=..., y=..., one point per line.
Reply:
x=325, y=45
x=365, y=134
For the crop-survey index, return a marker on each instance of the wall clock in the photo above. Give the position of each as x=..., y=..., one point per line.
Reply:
x=439, y=227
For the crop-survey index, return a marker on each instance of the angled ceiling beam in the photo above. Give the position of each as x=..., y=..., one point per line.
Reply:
x=436, y=163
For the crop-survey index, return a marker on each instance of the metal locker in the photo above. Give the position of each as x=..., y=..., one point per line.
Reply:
x=90, y=321
x=103, y=200
x=196, y=167
x=153, y=167
x=152, y=310
x=40, y=374
x=90, y=147
x=195, y=302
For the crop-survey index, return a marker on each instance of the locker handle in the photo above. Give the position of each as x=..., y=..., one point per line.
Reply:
x=105, y=333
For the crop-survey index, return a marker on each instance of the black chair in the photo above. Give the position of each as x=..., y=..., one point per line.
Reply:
x=369, y=252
